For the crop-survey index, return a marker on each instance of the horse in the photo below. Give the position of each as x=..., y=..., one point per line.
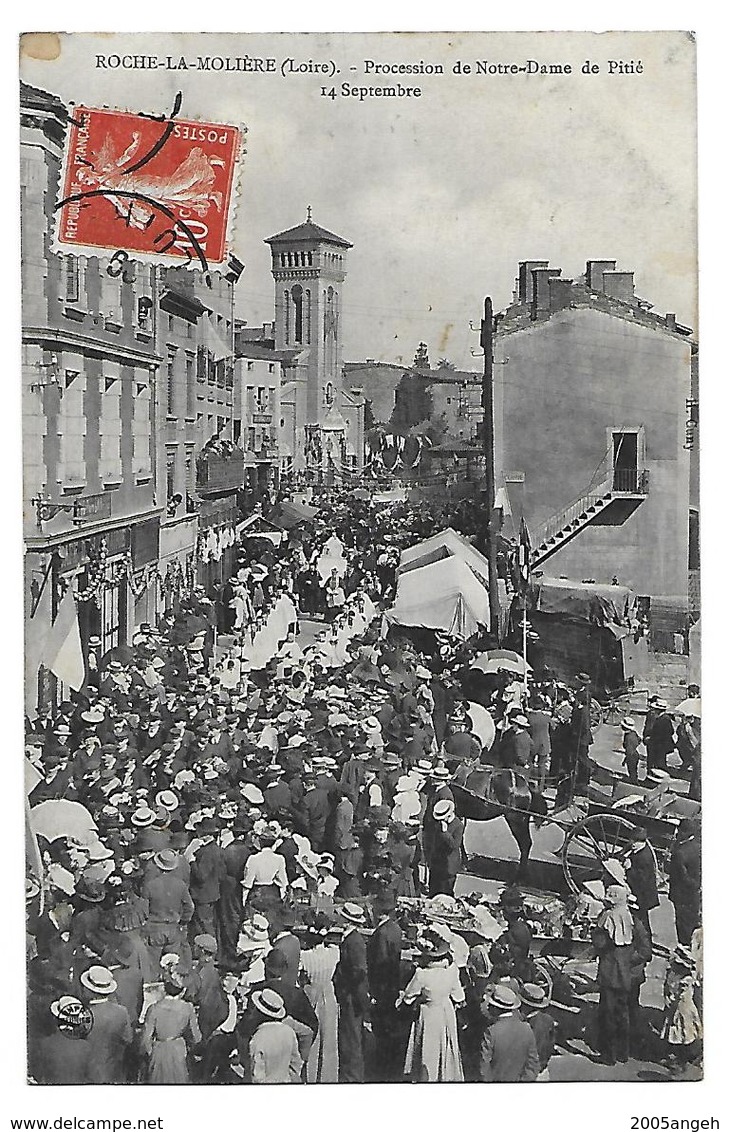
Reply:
x=482, y=793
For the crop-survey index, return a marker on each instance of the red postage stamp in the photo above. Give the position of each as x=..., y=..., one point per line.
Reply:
x=160, y=187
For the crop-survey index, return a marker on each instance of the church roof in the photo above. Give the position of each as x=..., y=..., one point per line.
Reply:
x=308, y=231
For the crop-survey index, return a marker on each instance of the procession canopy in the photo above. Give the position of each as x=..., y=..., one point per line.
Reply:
x=445, y=544
x=443, y=595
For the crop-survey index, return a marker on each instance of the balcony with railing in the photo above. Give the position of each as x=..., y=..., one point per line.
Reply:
x=218, y=472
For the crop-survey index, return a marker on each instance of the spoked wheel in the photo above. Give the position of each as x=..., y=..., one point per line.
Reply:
x=592, y=845
x=596, y=714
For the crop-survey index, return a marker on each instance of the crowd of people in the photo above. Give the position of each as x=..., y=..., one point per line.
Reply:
x=224, y=834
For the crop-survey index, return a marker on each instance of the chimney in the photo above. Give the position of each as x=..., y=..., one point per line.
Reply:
x=560, y=293
x=619, y=285
x=595, y=270
x=524, y=281
x=540, y=288
x=670, y=322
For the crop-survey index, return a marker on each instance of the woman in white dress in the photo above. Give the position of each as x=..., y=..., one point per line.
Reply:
x=433, y=1053
x=319, y=959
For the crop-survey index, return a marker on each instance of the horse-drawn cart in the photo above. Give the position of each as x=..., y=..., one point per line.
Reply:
x=598, y=835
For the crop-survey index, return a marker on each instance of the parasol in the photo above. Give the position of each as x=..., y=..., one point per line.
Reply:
x=483, y=725
x=500, y=660
x=690, y=707
x=60, y=818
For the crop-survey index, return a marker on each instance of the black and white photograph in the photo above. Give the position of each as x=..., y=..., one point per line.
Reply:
x=361, y=559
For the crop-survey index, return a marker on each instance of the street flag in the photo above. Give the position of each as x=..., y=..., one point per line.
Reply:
x=219, y=348
x=62, y=652
x=524, y=554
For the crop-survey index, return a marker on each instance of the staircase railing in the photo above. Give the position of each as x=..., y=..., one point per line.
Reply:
x=567, y=515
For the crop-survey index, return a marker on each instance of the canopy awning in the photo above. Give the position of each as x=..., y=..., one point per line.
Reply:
x=445, y=544
x=443, y=595
x=294, y=514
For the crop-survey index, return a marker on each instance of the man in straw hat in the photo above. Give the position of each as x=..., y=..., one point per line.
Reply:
x=112, y=1028
x=534, y=1003
x=445, y=849
x=631, y=743
x=273, y=1050
x=352, y=990
x=170, y=906
x=508, y=1046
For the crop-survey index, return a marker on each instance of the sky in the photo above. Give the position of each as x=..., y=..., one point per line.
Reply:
x=444, y=194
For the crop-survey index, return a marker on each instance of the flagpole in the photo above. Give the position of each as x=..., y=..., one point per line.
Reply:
x=524, y=649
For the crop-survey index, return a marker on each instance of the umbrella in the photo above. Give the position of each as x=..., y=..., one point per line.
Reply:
x=690, y=707
x=500, y=660
x=483, y=725
x=61, y=818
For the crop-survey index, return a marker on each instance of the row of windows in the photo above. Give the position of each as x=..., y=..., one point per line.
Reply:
x=306, y=259
x=74, y=286
x=271, y=367
x=207, y=371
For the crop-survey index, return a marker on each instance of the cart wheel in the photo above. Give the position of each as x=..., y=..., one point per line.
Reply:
x=590, y=844
x=596, y=714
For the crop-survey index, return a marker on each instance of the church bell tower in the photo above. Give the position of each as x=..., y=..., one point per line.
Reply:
x=309, y=266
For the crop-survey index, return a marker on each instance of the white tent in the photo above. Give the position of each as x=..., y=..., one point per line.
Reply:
x=446, y=544
x=443, y=595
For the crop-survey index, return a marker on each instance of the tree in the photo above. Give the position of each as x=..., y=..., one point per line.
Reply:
x=444, y=363
x=421, y=359
x=435, y=428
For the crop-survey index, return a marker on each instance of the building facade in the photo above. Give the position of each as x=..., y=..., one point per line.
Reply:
x=590, y=405
x=92, y=503
x=132, y=475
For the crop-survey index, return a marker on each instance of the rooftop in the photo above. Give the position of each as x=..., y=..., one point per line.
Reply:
x=308, y=231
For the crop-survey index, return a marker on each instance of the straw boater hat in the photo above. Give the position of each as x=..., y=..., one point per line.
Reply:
x=627, y=724
x=167, y=860
x=99, y=980
x=166, y=800
x=444, y=809
x=502, y=998
x=143, y=817
x=534, y=996
x=270, y=1003
x=353, y=914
